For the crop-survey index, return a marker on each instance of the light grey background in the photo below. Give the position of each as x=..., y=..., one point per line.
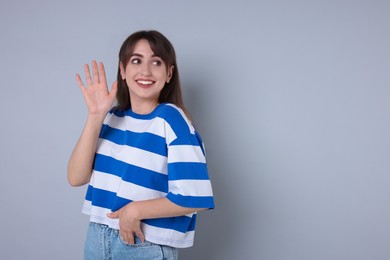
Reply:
x=291, y=98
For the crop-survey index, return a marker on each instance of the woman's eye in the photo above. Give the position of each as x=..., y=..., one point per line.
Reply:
x=157, y=63
x=135, y=61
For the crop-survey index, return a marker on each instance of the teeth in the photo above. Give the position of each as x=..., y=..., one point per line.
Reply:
x=144, y=82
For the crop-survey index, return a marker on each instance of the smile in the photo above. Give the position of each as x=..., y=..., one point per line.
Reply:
x=145, y=82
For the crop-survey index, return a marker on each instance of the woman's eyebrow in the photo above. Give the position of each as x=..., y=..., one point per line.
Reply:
x=137, y=54
x=141, y=56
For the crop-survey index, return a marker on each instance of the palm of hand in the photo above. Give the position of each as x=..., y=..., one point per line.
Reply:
x=97, y=97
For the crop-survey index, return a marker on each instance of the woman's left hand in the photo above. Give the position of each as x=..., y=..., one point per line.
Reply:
x=129, y=224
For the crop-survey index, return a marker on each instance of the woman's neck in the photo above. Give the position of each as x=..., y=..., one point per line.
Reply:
x=143, y=108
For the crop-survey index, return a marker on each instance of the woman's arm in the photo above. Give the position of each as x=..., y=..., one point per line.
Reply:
x=130, y=216
x=81, y=160
x=99, y=101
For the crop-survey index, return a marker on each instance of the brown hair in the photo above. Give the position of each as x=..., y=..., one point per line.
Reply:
x=162, y=47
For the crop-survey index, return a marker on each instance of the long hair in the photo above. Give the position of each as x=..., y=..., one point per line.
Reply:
x=162, y=47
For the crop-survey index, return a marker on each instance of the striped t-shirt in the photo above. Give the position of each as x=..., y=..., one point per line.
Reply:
x=141, y=157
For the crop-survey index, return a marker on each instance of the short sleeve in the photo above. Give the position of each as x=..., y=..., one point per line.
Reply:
x=188, y=180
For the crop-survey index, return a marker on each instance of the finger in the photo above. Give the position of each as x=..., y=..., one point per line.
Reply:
x=113, y=214
x=79, y=81
x=95, y=72
x=102, y=73
x=87, y=74
x=114, y=89
x=140, y=235
x=128, y=237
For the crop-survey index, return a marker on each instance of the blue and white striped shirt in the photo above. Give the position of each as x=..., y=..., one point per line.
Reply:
x=142, y=157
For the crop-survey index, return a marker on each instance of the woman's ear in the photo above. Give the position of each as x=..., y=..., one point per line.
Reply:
x=123, y=74
x=170, y=73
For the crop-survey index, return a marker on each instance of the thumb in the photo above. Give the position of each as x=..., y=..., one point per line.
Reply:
x=114, y=214
x=114, y=89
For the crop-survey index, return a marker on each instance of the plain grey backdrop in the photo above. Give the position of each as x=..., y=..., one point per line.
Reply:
x=292, y=99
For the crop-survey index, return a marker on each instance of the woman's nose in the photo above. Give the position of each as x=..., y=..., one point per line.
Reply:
x=145, y=70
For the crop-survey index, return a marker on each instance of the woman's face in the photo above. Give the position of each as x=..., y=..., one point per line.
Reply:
x=145, y=75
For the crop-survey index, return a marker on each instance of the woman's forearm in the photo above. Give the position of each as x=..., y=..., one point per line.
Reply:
x=81, y=160
x=155, y=208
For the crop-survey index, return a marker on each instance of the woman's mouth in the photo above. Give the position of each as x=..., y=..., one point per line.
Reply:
x=144, y=83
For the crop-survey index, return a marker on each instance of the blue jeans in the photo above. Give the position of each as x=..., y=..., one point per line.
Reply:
x=105, y=243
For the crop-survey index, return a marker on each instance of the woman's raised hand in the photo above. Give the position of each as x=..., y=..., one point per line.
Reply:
x=98, y=98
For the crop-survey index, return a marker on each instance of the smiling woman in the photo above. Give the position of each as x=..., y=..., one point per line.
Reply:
x=143, y=159
x=145, y=75
x=162, y=53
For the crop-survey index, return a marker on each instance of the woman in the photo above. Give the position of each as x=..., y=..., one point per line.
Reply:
x=143, y=159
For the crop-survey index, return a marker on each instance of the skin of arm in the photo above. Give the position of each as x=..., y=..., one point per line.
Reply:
x=82, y=157
x=130, y=216
x=99, y=101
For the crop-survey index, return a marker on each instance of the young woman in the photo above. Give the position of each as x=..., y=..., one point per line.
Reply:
x=144, y=161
